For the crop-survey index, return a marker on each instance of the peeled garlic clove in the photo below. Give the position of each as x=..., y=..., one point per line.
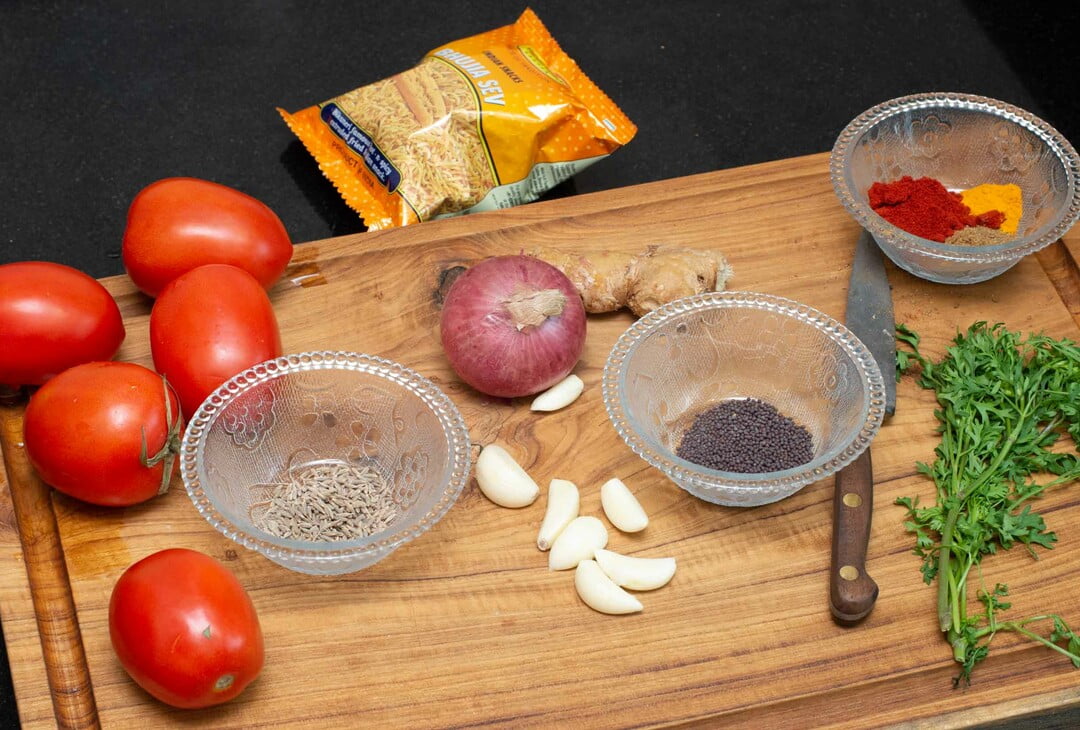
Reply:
x=502, y=480
x=621, y=507
x=600, y=593
x=560, y=395
x=637, y=574
x=562, y=507
x=578, y=541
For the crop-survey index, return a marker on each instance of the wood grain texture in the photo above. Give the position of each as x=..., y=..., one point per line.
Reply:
x=21, y=638
x=1060, y=262
x=50, y=590
x=1071, y=244
x=466, y=626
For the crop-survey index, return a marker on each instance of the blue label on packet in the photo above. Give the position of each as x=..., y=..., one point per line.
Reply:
x=357, y=141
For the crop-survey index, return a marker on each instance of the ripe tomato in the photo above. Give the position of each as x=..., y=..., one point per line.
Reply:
x=179, y=223
x=208, y=325
x=52, y=317
x=185, y=629
x=84, y=432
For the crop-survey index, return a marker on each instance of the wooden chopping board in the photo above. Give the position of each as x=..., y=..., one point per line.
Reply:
x=466, y=626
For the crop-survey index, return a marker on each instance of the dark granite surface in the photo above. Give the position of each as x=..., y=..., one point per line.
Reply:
x=101, y=98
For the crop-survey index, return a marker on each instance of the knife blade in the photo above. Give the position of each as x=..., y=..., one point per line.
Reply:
x=869, y=314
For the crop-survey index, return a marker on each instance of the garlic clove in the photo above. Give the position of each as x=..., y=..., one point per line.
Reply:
x=637, y=574
x=560, y=395
x=562, y=507
x=600, y=593
x=502, y=480
x=621, y=507
x=578, y=541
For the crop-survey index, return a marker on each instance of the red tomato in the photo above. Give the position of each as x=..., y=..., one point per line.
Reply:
x=84, y=432
x=208, y=325
x=53, y=317
x=185, y=629
x=179, y=223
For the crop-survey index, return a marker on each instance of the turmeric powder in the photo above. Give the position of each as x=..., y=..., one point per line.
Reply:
x=1005, y=198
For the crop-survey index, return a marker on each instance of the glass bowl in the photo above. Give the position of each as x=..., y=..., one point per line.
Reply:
x=277, y=419
x=963, y=141
x=694, y=352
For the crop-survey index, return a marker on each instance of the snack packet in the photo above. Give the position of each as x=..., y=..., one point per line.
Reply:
x=486, y=122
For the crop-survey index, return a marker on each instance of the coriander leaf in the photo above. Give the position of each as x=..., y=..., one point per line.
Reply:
x=1004, y=400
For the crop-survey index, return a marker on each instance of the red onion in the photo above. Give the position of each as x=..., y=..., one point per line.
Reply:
x=513, y=326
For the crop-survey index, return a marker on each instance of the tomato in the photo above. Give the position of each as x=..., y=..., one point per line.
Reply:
x=179, y=223
x=52, y=317
x=208, y=325
x=84, y=433
x=185, y=629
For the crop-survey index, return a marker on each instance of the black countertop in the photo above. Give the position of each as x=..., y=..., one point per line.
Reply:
x=101, y=98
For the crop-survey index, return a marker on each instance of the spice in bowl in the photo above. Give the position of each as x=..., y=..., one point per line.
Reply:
x=745, y=436
x=985, y=215
x=1008, y=199
x=327, y=502
x=978, y=236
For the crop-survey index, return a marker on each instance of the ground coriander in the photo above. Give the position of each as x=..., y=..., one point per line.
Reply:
x=978, y=236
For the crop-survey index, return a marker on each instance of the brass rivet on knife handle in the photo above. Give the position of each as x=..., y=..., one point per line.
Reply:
x=852, y=592
x=50, y=588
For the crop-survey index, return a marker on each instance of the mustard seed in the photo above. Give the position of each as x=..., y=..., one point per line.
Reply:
x=746, y=436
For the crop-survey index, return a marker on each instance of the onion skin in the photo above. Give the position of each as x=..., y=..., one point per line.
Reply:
x=493, y=352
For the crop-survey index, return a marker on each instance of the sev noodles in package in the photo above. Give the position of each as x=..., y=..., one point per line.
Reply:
x=487, y=122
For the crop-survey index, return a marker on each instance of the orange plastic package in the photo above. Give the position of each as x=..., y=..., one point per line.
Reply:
x=487, y=122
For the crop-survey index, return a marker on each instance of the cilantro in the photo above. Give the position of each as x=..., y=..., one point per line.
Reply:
x=1004, y=401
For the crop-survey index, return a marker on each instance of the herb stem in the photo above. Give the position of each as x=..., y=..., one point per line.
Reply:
x=949, y=616
x=1004, y=401
x=1018, y=627
x=944, y=577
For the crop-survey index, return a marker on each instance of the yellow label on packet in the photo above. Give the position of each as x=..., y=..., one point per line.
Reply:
x=486, y=122
x=533, y=57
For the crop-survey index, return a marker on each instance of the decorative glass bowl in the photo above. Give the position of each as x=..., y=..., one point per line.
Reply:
x=318, y=408
x=692, y=353
x=963, y=141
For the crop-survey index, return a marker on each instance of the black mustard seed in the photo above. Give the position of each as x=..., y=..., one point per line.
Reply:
x=747, y=436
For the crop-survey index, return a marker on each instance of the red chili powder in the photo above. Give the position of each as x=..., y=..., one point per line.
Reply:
x=924, y=208
x=990, y=219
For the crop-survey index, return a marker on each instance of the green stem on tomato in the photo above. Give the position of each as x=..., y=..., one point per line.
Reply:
x=170, y=448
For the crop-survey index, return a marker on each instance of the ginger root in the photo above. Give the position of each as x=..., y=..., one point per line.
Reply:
x=642, y=282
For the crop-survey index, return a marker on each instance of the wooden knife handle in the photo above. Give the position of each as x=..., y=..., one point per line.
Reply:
x=851, y=591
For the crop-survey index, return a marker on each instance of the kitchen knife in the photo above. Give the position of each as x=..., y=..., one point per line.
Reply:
x=869, y=315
